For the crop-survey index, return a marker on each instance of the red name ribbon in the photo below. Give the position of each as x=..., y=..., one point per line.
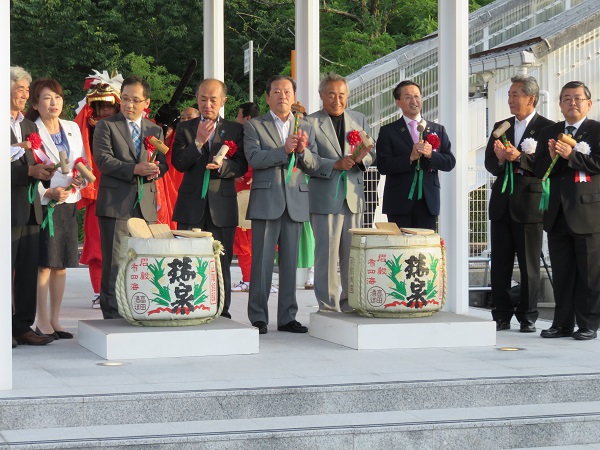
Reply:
x=582, y=177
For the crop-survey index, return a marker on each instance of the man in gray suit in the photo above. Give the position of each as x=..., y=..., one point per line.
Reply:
x=127, y=186
x=278, y=205
x=336, y=192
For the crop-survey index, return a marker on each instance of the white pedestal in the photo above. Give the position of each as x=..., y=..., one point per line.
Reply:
x=117, y=339
x=440, y=330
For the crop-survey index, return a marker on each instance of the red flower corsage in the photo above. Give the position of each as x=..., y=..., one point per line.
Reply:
x=36, y=141
x=232, y=148
x=433, y=140
x=354, y=138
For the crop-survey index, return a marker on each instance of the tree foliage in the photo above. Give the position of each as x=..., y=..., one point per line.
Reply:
x=66, y=39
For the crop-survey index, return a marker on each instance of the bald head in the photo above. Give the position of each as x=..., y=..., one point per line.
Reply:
x=189, y=114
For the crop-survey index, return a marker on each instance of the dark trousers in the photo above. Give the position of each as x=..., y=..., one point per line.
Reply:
x=575, y=262
x=418, y=217
x=525, y=239
x=226, y=236
x=25, y=249
x=266, y=235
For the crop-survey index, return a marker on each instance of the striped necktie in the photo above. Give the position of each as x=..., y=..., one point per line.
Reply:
x=137, y=141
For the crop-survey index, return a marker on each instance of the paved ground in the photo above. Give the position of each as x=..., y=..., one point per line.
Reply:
x=65, y=368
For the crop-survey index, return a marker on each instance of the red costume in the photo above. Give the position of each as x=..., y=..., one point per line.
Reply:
x=242, y=241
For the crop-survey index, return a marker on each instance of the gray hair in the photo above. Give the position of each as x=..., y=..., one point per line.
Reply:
x=530, y=86
x=17, y=74
x=330, y=78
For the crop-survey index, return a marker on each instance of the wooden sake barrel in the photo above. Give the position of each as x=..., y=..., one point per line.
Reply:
x=396, y=275
x=170, y=282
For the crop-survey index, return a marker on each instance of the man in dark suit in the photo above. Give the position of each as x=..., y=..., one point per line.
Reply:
x=26, y=213
x=278, y=205
x=404, y=156
x=516, y=221
x=196, y=143
x=336, y=193
x=572, y=220
x=127, y=186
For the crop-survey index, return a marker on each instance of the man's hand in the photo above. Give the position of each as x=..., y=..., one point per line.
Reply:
x=562, y=149
x=213, y=166
x=551, y=148
x=150, y=170
x=499, y=150
x=41, y=171
x=204, y=131
x=291, y=143
x=414, y=154
x=77, y=181
x=346, y=163
x=302, y=141
x=58, y=194
x=424, y=148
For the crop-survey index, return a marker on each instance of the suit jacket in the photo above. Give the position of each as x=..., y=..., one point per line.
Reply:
x=324, y=182
x=269, y=193
x=222, y=196
x=524, y=202
x=20, y=180
x=76, y=149
x=579, y=201
x=115, y=156
x=394, y=145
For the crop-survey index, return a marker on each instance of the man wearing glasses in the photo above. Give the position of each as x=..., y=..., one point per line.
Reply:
x=572, y=216
x=127, y=183
x=411, y=159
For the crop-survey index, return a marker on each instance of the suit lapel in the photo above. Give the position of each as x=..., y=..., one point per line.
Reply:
x=49, y=145
x=582, y=131
x=531, y=130
x=220, y=131
x=402, y=128
x=271, y=128
x=327, y=127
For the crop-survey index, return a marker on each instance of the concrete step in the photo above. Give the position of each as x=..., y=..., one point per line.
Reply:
x=253, y=403
x=501, y=427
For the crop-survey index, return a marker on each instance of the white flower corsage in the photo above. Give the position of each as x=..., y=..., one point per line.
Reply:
x=528, y=146
x=583, y=147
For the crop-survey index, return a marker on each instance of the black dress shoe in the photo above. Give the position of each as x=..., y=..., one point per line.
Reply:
x=293, y=327
x=30, y=338
x=262, y=327
x=527, y=327
x=501, y=325
x=226, y=314
x=59, y=334
x=583, y=334
x=557, y=332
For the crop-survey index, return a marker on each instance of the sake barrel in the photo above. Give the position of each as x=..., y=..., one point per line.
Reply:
x=396, y=275
x=170, y=282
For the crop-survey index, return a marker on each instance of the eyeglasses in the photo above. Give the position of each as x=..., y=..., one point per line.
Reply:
x=135, y=101
x=569, y=100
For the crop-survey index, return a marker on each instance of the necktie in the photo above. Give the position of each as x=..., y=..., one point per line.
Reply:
x=570, y=130
x=135, y=135
x=413, y=131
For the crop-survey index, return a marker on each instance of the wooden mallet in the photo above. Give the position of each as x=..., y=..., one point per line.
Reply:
x=500, y=133
x=158, y=145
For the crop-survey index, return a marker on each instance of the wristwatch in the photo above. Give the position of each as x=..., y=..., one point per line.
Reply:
x=198, y=144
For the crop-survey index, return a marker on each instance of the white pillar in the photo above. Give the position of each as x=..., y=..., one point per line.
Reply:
x=307, y=54
x=214, y=38
x=453, y=75
x=5, y=240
